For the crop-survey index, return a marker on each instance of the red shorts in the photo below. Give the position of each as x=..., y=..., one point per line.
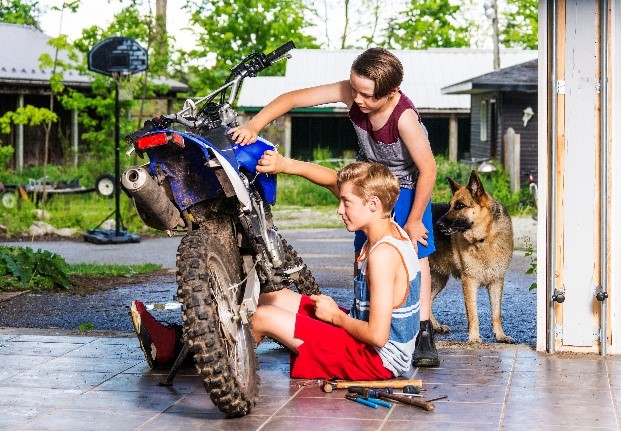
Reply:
x=330, y=352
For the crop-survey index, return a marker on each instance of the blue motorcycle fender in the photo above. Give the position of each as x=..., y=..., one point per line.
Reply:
x=248, y=157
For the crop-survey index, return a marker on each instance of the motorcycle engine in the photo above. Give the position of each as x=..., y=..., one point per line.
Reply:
x=277, y=250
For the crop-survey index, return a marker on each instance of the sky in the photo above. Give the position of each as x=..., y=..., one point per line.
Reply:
x=101, y=13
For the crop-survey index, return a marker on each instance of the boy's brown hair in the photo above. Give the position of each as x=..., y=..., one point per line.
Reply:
x=380, y=66
x=371, y=179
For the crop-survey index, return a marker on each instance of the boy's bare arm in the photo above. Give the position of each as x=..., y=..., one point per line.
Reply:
x=382, y=285
x=306, y=97
x=417, y=143
x=274, y=163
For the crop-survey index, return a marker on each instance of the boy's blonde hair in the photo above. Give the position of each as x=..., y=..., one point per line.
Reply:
x=371, y=179
x=380, y=66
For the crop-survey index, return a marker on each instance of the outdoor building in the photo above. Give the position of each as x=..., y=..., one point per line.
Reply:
x=502, y=100
x=579, y=234
x=22, y=83
x=447, y=117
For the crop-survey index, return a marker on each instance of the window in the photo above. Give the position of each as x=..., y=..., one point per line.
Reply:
x=483, y=121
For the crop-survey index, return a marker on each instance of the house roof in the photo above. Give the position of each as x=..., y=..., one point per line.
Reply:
x=426, y=73
x=520, y=77
x=19, y=60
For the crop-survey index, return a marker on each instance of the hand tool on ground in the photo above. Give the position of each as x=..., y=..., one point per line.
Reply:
x=366, y=392
x=438, y=398
x=357, y=399
x=330, y=385
x=372, y=400
x=425, y=405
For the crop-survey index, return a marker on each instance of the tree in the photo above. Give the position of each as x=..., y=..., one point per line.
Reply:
x=427, y=24
x=228, y=31
x=20, y=12
x=522, y=25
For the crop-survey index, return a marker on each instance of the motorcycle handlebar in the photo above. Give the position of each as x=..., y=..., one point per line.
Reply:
x=280, y=51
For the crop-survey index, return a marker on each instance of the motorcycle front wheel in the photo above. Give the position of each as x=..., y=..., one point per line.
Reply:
x=209, y=270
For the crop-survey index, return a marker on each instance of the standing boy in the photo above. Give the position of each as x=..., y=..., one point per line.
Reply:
x=389, y=132
x=376, y=338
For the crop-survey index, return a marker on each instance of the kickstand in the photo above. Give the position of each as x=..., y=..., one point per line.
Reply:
x=175, y=368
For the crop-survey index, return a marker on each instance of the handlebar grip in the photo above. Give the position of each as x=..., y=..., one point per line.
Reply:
x=280, y=51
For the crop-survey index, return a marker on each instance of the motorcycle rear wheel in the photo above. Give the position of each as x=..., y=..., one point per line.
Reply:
x=208, y=265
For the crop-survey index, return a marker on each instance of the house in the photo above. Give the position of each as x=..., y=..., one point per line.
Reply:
x=22, y=83
x=447, y=117
x=499, y=100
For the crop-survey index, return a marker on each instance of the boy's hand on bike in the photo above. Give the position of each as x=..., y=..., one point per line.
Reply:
x=243, y=135
x=272, y=163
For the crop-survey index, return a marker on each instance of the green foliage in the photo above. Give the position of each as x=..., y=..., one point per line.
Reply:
x=86, y=326
x=20, y=12
x=5, y=156
x=532, y=269
x=496, y=183
x=227, y=31
x=27, y=115
x=522, y=24
x=294, y=190
x=33, y=269
x=427, y=24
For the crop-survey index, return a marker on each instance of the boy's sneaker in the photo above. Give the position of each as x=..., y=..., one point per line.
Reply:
x=160, y=343
x=425, y=353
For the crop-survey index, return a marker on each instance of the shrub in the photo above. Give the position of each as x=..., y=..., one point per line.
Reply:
x=39, y=269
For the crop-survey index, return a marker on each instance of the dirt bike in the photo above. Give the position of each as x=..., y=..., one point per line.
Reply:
x=201, y=184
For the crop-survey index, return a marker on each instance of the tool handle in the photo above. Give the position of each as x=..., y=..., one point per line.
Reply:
x=379, y=402
x=363, y=401
x=396, y=383
x=425, y=405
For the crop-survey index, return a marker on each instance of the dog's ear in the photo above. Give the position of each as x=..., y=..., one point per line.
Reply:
x=476, y=186
x=454, y=185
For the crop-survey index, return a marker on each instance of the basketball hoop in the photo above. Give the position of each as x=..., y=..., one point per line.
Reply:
x=126, y=85
x=118, y=57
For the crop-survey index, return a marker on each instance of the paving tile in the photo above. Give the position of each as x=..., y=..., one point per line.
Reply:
x=296, y=423
x=68, y=363
x=44, y=398
x=330, y=408
x=527, y=414
x=541, y=427
x=88, y=420
x=149, y=383
x=466, y=393
x=57, y=379
x=154, y=402
x=23, y=362
x=417, y=425
x=554, y=396
x=553, y=378
x=486, y=415
x=201, y=422
x=37, y=348
x=15, y=417
x=481, y=376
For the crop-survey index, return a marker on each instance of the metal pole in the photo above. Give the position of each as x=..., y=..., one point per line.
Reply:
x=603, y=175
x=552, y=102
x=117, y=149
x=495, y=36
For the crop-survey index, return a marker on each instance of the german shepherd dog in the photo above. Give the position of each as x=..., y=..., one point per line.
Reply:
x=474, y=243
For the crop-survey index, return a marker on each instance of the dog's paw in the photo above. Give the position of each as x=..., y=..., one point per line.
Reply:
x=505, y=339
x=441, y=329
x=474, y=338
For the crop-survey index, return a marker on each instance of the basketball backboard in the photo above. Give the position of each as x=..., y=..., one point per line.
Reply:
x=117, y=54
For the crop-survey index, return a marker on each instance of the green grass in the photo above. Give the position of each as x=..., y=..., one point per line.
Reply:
x=299, y=202
x=110, y=270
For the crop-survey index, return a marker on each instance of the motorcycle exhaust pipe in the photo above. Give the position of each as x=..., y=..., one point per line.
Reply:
x=154, y=207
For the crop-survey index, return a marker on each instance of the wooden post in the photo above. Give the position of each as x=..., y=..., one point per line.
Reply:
x=287, y=136
x=453, y=130
x=511, y=162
